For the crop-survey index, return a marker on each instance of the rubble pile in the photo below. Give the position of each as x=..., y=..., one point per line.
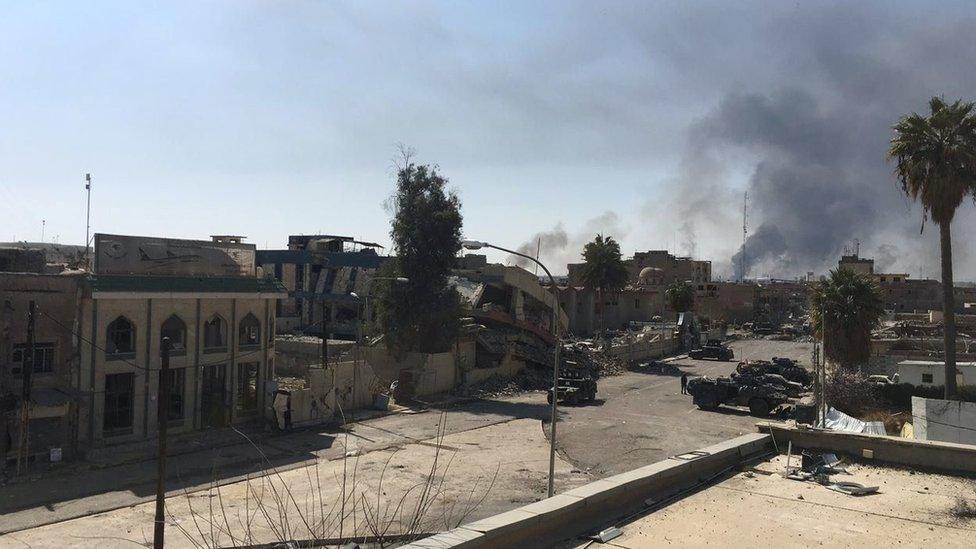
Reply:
x=538, y=377
x=530, y=378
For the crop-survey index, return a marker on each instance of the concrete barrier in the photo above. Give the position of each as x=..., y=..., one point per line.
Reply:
x=593, y=505
x=927, y=454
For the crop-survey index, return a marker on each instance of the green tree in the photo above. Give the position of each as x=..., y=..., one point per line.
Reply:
x=681, y=296
x=603, y=269
x=936, y=165
x=848, y=305
x=421, y=314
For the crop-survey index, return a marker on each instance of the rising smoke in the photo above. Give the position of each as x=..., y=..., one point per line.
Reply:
x=557, y=247
x=815, y=170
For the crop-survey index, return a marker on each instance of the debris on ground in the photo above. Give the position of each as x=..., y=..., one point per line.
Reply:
x=817, y=467
x=964, y=509
x=535, y=377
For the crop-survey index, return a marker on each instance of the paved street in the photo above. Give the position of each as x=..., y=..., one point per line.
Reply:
x=639, y=418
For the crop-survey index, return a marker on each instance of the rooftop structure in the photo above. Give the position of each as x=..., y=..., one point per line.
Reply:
x=782, y=486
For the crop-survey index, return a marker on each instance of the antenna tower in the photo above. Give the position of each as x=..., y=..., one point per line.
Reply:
x=745, y=233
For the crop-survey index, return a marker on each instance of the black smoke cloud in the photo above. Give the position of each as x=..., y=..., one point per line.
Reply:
x=814, y=154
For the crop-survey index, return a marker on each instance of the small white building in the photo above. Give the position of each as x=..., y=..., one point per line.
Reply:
x=932, y=372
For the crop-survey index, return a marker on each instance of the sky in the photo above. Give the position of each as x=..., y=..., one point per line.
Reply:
x=553, y=121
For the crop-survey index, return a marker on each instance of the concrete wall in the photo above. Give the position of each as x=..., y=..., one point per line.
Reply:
x=944, y=420
x=944, y=456
x=572, y=513
x=432, y=373
x=508, y=367
x=645, y=350
x=912, y=371
x=293, y=357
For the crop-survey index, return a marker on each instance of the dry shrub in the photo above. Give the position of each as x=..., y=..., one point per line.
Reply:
x=851, y=393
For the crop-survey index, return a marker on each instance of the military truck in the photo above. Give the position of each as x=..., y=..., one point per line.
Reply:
x=761, y=398
x=712, y=349
x=785, y=367
x=578, y=373
x=576, y=385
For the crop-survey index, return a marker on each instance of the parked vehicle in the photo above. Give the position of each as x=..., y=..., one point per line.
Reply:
x=880, y=380
x=575, y=387
x=779, y=366
x=761, y=398
x=712, y=350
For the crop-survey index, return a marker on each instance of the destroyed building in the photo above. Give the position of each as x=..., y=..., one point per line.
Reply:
x=320, y=272
x=99, y=333
x=513, y=308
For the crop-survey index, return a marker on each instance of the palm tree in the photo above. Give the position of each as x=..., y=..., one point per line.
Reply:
x=603, y=269
x=936, y=158
x=681, y=296
x=848, y=305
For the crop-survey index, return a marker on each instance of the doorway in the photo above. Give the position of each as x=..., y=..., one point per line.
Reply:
x=213, y=396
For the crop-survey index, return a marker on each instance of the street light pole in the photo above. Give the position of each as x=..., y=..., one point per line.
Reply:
x=477, y=245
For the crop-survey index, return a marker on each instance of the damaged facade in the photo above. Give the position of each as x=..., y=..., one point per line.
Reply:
x=512, y=311
x=319, y=272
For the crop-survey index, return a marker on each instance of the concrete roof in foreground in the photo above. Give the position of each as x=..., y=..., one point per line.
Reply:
x=757, y=507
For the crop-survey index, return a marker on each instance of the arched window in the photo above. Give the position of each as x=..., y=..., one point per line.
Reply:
x=249, y=334
x=215, y=333
x=175, y=329
x=120, y=337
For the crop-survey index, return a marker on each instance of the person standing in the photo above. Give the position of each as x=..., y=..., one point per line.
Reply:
x=684, y=383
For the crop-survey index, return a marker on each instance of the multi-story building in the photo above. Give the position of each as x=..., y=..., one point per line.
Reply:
x=53, y=412
x=667, y=268
x=735, y=302
x=640, y=301
x=320, y=272
x=216, y=309
x=900, y=293
x=97, y=352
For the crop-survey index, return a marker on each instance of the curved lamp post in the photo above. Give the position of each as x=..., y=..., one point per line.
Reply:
x=477, y=245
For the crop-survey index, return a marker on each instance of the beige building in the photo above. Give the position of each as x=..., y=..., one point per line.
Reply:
x=900, y=293
x=217, y=311
x=53, y=410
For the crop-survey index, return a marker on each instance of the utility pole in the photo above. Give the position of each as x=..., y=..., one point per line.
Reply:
x=87, y=218
x=162, y=418
x=325, y=335
x=538, y=249
x=745, y=233
x=43, y=225
x=27, y=369
x=822, y=373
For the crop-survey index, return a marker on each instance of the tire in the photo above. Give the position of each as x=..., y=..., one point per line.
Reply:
x=759, y=407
